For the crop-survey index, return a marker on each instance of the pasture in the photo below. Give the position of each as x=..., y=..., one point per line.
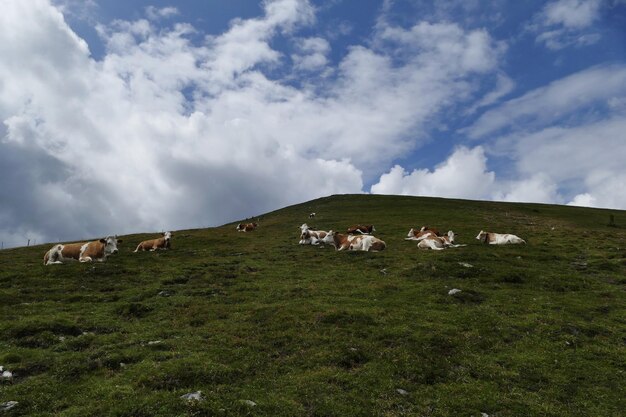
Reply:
x=266, y=327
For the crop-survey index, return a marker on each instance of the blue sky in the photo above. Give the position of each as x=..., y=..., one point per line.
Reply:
x=126, y=116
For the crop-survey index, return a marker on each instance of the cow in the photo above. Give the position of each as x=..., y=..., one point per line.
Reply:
x=438, y=242
x=360, y=229
x=97, y=250
x=312, y=215
x=365, y=243
x=246, y=227
x=154, y=244
x=498, y=238
x=312, y=237
x=422, y=233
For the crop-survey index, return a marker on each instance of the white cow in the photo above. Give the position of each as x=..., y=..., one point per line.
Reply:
x=499, y=238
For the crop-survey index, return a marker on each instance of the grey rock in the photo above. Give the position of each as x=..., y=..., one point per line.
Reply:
x=193, y=396
x=401, y=391
x=454, y=291
x=8, y=405
x=248, y=403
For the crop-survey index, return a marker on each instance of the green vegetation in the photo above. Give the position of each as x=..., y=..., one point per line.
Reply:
x=537, y=330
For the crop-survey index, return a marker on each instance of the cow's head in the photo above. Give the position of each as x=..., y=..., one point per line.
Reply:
x=411, y=233
x=329, y=238
x=373, y=229
x=167, y=235
x=451, y=236
x=110, y=244
x=481, y=235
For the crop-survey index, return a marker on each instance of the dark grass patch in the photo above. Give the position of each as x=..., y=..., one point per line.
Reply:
x=133, y=310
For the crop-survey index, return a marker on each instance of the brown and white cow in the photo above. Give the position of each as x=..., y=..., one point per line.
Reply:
x=312, y=237
x=154, y=244
x=499, y=238
x=438, y=242
x=422, y=233
x=365, y=243
x=246, y=227
x=97, y=250
x=361, y=229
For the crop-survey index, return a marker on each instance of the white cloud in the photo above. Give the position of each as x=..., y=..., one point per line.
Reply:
x=563, y=23
x=165, y=133
x=571, y=13
x=463, y=175
x=599, y=85
x=155, y=13
x=312, y=54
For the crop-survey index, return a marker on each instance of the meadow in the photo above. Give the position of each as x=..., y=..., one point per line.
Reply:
x=263, y=326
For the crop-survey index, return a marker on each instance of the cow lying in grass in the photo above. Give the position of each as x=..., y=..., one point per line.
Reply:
x=365, y=243
x=309, y=236
x=498, y=238
x=97, y=250
x=361, y=229
x=431, y=241
x=154, y=244
x=422, y=233
x=246, y=227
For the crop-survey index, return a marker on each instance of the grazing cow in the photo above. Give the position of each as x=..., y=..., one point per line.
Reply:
x=154, y=244
x=365, y=243
x=498, y=238
x=97, y=250
x=246, y=227
x=312, y=215
x=363, y=230
x=438, y=242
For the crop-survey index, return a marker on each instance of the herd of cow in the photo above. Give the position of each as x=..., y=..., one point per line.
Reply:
x=357, y=238
x=360, y=238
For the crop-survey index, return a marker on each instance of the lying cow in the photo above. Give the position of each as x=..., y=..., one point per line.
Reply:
x=312, y=237
x=498, y=238
x=422, y=233
x=365, y=243
x=360, y=229
x=98, y=250
x=246, y=227
x=154, y=244
x=312, y=215
x=438, y=242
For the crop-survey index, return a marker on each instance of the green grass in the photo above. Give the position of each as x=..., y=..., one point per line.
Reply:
x=538, y=330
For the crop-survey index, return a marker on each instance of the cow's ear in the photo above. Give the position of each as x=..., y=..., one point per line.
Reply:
x=103, y=241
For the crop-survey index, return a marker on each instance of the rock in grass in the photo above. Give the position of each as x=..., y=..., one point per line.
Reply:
x=466, y=265
x=401, y=391
x=248, y=403
x=454, y=291
x=6, y=375
x=8, y=405
x=193, y=396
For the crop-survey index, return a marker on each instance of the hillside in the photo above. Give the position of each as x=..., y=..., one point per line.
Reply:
x=538, y=330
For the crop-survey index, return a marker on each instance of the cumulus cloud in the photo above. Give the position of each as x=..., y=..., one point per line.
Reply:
x=463, y=175
x=164, y=132
x=565, y=139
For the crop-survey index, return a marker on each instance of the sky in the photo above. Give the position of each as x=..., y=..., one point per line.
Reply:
x=135, y=116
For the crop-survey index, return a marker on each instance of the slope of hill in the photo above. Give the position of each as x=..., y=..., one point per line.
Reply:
x=266, y=327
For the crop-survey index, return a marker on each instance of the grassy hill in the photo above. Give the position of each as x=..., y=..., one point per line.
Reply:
x=538, y=330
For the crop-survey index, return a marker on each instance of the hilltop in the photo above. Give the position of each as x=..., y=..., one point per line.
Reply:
x=537, y=329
